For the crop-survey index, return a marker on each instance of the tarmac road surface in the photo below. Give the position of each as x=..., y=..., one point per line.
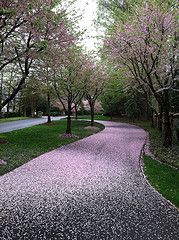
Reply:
x=15, y=125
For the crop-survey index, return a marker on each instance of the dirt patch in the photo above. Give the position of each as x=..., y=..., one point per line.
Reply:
x=3, y=141
x=67, y=135
x=95, y=129
x=2, y=162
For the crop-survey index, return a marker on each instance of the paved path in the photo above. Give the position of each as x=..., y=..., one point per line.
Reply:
x=89, y=190
x=15, y=125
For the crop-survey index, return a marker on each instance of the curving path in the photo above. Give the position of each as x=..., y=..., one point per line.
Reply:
x=89, y=190
x=15, y=125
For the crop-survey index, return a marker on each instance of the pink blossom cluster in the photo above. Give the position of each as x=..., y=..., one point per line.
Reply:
x=146, y=44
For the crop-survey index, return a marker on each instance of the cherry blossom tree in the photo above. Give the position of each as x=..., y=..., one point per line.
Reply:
x=27, y=28
x=148, y=47
x=97, y=77
x=69, y=81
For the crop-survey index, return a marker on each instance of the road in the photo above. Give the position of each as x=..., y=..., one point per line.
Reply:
x=15, y=125
x=92, y=189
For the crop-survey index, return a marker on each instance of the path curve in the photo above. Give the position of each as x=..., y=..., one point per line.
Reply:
x=20, y=124
x=89, y=190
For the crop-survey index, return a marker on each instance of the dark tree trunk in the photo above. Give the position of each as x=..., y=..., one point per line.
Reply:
x=25, y=111
x=48, y=108
x=76, y=112
x=152, y=118
x=167, y=128
x=160, y=116
x=7, y=113
x=32, y=109
x=68, y=129
x=92, y=113
x=15, y=91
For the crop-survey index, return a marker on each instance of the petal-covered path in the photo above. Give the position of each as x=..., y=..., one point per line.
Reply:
x=89, y=190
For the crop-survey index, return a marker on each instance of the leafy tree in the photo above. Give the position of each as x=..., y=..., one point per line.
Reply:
x=113, y=96
x=97, y=77
x=26, y=30
x=147, y=46
x=68, y=81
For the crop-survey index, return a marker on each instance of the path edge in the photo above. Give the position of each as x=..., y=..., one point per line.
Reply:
x=141, y=166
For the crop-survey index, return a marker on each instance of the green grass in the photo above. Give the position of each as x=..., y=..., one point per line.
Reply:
x=97, y=117
x=26, y=144
x=3, y=120
x=164, y=178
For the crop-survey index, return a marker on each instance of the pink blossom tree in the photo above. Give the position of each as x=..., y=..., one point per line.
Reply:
x=148, y=47
x=97, y=78
x=69, y=81
x=27, y=28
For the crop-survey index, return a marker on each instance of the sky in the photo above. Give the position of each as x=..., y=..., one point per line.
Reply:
x=89, y=12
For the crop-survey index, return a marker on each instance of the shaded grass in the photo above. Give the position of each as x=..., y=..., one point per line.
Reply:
x=26, y=144
x=97, y=117
x=164, y=178
x=3, y=120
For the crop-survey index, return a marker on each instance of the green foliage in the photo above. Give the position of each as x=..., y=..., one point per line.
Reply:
x=26, y=144
x=131, y=107
x=42, y=103
x=96, y=117
x=123, y=10
x=164, y=178
x=110, y=12
x=11, y=115
x=136, y=105
x=42, y=45
x=113, y=96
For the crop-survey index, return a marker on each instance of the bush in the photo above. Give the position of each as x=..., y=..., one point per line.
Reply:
x=12, y=114
x=39, y=114
x=55, y=114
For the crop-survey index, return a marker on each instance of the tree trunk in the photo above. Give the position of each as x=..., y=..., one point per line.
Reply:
x=152, y=118
x=32, y=106
x=48, y=108
x=92, y=113
x=167, y=128
x=160, y=117
x=25, y=111
x=15, y=91
x=68, y=129
x=76, y=112
x=7, y=112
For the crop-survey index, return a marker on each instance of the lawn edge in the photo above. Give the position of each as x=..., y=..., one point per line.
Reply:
x=141, y=165
x=63, y=146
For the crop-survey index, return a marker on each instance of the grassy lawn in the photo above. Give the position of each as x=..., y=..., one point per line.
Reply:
x=164, y=178
x=3, y=120
x=26, y=144
x=97, y=117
